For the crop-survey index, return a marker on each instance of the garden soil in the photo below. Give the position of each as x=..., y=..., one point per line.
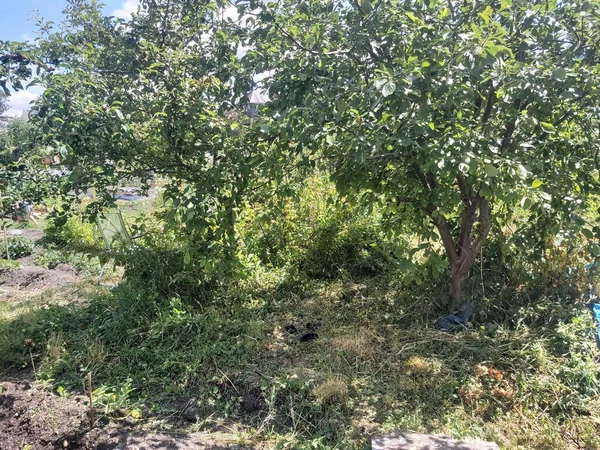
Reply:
x=33, y=418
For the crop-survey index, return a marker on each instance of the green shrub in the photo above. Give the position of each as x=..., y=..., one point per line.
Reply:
x=164, y=272
x=316, y=233
x=354, y=246
x=87, y=264
x=74, y=233
x=20, y=246
x=9, y=264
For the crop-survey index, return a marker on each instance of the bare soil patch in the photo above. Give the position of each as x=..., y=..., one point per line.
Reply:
x=30, y=417
x=39, y=420
x=34, y=278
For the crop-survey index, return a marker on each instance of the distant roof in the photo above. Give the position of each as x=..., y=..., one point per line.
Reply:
x=258, y=97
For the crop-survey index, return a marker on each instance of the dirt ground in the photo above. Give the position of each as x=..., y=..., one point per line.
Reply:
x=35, y=278
x=30, y=278
x=35, y=419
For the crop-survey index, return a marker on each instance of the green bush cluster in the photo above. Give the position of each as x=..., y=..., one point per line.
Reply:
x=20, y=246
x=316, y=234
x=86, y=264
x=164, y=272
x=74, y=233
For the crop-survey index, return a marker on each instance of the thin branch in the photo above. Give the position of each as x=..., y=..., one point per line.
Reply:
x=451, y=8
x=421, y=176
x=489, y=103
x=442, y=225
x=465, y=191
x=485, y=225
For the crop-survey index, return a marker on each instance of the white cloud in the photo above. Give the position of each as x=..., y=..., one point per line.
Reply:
x=127, y=8
x=20, y=101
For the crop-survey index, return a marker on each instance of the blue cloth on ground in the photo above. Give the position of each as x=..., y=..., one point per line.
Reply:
x=463, y=315
x=596, y=312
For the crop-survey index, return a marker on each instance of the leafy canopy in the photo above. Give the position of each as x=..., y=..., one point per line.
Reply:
x=439, y=111
x=445, y=114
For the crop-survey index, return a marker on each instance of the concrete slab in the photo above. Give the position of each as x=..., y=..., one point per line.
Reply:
x=418, y=441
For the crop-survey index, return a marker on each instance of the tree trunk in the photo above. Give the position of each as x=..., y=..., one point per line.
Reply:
x=463, y=251
x=457, y=287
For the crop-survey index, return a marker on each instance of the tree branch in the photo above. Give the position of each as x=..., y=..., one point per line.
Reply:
x=485, y=225
x=442, y=225
x=489, y=103
x=465, y=190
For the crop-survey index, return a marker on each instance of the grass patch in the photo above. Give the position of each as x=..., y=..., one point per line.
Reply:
x=378, y=364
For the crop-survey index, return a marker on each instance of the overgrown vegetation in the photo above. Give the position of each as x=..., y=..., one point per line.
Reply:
x=19, y=246
x=164, y=347
x=285, y=276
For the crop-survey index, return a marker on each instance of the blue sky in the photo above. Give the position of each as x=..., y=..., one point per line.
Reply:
x=18, y=26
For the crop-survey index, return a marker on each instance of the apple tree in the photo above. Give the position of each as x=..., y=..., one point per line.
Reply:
x=440, y=111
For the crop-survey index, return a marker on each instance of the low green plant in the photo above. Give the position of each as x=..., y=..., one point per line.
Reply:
x=20, y=246
x=9, y=264
x=74, y=234
x=84, y=263
x=316, y=234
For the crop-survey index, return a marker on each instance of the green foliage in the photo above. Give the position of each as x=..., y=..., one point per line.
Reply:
x=439, y=112
x=15, y=140
x=4, y=106
x=9, y=264
x=524, y=375
x=445, y=116
x=20, y=246
x=315, y=233
x=24, y=171
x=17, y=61
x=164, y=273
x=74, y=233
x=84, y=263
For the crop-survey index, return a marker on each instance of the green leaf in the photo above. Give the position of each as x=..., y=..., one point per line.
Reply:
x=119, y=114
x=388, y=88
x=187, y=258
x=432, y=125
x=491, y=170
x=547, y=127
x=526, y=203
x=560, y=73
x=412, y=17
x=536, y=183
x=595, y=250
x=486, y=14
x=365, y=5
x=587, y=233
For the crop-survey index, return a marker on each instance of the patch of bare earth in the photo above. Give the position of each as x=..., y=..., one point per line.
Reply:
x=36, y=278
x=37, y=419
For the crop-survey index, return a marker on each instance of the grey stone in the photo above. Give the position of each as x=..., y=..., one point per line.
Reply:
x=417, y=441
